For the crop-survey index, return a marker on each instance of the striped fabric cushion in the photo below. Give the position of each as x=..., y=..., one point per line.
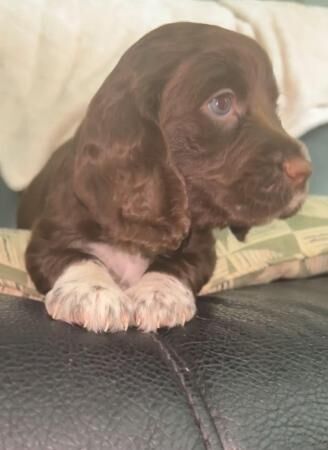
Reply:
x=292, y=248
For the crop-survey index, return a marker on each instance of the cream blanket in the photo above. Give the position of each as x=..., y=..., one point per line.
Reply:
x=55, y=54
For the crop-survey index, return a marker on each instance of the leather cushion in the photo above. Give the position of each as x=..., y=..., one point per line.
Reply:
x=250, y=372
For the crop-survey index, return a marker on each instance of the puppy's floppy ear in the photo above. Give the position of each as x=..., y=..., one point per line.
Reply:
x=124, y=176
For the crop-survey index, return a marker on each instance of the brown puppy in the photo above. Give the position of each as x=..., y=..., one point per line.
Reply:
x=183, y=136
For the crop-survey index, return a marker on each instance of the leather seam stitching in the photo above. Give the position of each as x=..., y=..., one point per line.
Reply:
x=181, y=378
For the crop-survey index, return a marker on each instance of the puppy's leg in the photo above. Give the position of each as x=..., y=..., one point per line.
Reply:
x=161, y=300
x=165, y=295
x=86, y=294
x=78, y=288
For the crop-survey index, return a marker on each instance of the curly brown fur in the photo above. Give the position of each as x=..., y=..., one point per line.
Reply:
x=152, y=170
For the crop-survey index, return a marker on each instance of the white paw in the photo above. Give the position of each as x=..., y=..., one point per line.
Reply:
x=86, y=295
x=161, y=300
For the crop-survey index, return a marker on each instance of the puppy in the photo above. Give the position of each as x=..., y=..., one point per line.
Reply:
x=183, y=136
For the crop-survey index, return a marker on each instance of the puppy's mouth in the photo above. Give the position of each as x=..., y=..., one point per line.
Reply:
x=275, y=194
x=295, y=204
x=243, y=217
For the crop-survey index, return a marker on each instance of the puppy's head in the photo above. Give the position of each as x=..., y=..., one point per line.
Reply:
x=219, y=115
x=191, y=112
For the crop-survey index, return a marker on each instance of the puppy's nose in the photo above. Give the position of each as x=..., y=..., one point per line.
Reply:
x=297, y=169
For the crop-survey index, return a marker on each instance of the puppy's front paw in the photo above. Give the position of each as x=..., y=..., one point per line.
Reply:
x=161, y=300
x=86, y=295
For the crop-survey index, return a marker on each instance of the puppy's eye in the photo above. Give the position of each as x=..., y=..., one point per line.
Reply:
x=221, y=105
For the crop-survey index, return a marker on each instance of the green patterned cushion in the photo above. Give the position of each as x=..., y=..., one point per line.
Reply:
x=13, y=276
x=293, y=248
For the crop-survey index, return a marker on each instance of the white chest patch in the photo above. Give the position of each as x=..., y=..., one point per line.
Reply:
x=127, y=267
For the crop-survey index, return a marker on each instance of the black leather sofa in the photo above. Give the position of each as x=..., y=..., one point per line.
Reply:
x=249, y=373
